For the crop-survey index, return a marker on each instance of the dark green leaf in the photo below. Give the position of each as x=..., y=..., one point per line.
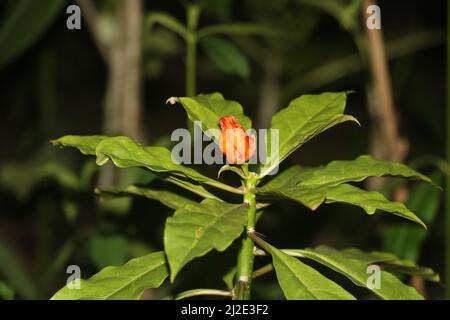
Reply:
x=226, y=56
x=209, y=108
x=15, y=273
x=313, y=196
x=304, y=118
x=6, y=292
x=24, y=26
x=337, y=172
x=301, y=282
x=405, y=241
x=354, y=266
x=196, y=229
x=125, y=153
x=170, y=199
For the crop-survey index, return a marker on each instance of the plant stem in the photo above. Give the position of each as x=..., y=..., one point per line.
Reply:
x=242, y=287
x=192, y=14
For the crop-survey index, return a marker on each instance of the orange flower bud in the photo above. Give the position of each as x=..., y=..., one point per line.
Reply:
x=234, y=142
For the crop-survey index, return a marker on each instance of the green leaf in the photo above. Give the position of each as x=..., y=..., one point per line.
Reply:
x=337, y=172
x=354, y=266
x=301, y=282
x=410, y=268
x=169, y=199
x=396, y=265
x=119, y=283
x=370, y=201
x=15, y=273
x=23, y=178
x=202, y=292
x=344, y=11
x=196, y=229
x=6, y=292
x=405, y=241
x=226, y=56
x=209, y=108
x=286, y=178
x=125, y=153
x=236, y=169
x=86, y=144
x=304, y=118
x=24, y=26
x=106, y=250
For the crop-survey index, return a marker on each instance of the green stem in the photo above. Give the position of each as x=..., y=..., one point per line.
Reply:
x=192, y=15
x=225, y=187
x=246, y=257
x=193, y=12
x=263, y=270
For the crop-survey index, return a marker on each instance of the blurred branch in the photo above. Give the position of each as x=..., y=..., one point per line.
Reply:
x=131, y=103
x=270, y=90
x=117, y=36
x=386, y=142
x=90, y=15
x=192, y=17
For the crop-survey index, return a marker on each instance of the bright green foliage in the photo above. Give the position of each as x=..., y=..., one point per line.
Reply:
x=209, y=108
x=170, y=199
x=301, y=282
x=125, y=153
x=197, y=227
x=337, y=172
x=314, y=196
x=353, y=265
x=303, y=119
x=117, y=283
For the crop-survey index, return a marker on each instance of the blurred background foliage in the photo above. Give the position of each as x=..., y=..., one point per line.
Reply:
x=114, y=75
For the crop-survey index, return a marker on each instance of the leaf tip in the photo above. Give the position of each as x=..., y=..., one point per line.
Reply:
x=423, y=225
x=172, y=100
x=172, y=276
x=101, y=160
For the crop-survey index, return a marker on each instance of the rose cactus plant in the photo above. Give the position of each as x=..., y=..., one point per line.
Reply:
x=196, y=228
